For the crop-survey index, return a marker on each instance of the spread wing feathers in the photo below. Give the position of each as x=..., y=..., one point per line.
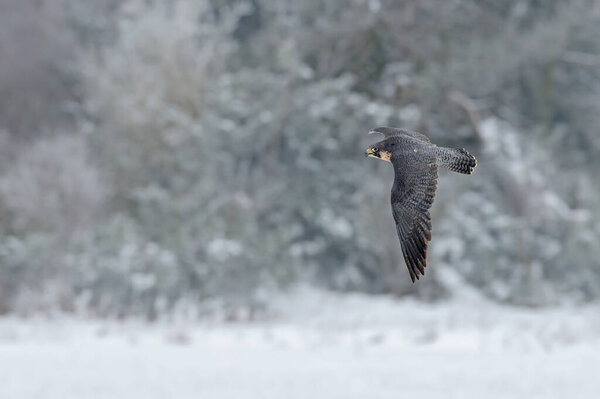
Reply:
x=412, y=196
x=393, y=131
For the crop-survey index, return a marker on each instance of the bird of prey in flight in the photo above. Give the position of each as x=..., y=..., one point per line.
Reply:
x=415, y=160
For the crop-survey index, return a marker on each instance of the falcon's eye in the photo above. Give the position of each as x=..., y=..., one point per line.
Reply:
x=392, y=144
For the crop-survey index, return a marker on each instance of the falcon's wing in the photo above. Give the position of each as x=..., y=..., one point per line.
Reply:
x=412, y=195
x=394, y=131
x=416, y=135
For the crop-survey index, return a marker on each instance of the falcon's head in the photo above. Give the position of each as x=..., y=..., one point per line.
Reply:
x=383, y=149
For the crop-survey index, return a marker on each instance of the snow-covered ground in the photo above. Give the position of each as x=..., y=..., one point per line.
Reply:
x=318, y=345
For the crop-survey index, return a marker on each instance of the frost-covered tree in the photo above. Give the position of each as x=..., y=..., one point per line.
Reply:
x=518, y=239
x=216, y=149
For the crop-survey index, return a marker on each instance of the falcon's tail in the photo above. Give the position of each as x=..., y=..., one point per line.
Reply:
x=456, y=159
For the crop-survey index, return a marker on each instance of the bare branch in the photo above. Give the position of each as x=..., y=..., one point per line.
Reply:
x=470, y=108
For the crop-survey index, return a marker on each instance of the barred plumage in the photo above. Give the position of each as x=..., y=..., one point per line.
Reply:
x=415, y=160
x=456, y=159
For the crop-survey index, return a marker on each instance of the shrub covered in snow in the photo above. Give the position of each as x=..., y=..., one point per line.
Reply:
x=217, y=150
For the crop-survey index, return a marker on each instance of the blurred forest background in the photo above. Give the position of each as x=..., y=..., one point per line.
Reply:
x=163, y=156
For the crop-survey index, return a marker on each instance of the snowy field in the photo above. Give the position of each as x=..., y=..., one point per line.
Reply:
x=316, y=345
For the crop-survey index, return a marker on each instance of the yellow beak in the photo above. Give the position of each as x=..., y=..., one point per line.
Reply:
x=383, y=155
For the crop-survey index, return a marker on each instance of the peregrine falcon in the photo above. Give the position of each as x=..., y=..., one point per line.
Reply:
x=415, y=160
